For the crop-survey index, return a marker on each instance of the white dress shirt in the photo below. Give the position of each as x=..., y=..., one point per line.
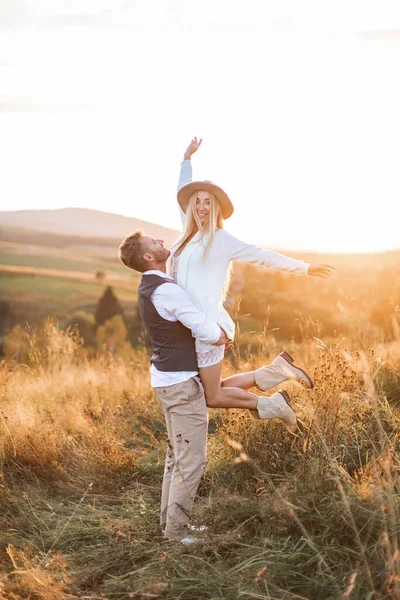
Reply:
x=172, y=303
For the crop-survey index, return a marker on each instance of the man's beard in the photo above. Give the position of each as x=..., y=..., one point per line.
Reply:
x=162, y=254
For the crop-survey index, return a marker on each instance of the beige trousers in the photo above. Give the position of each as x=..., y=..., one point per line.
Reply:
x=186, y=418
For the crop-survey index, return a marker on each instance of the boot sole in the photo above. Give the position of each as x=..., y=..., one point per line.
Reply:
x=290, y=360
x=254, y=414
x=286, y=397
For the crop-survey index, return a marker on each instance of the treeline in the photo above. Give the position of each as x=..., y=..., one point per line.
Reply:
x=106, y=328
x=362, y=300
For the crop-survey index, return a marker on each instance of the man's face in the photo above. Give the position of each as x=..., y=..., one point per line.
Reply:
x=154, y=248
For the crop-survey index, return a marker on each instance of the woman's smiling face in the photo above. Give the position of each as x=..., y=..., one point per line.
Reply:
x=203, y=206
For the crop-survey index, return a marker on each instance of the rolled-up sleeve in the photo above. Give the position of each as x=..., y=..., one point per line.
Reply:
x=248, y=253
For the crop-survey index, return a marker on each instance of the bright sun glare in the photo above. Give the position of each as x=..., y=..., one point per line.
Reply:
x=300, y=124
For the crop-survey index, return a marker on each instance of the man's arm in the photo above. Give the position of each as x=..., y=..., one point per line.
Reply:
x=172, y=303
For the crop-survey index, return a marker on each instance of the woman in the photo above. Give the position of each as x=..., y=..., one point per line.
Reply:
x=200, y=264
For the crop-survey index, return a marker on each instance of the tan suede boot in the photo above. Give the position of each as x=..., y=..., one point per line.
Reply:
x=281, y=369
x=276, y=407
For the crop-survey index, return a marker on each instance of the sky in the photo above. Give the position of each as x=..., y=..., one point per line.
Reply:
x=297, y=105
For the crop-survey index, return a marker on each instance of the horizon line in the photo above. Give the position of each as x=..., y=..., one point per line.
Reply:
x=255, y=241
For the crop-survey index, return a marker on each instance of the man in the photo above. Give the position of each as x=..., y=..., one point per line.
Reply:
x=173, y=323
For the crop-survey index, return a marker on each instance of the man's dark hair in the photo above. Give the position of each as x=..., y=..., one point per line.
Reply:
x=131, y=252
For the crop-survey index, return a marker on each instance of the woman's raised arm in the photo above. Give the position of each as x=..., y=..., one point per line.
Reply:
x=185, y=175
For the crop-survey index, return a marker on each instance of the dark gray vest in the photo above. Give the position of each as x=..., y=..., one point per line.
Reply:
x=173, y=343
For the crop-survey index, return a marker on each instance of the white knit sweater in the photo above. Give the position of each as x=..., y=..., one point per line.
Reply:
x=203, y=279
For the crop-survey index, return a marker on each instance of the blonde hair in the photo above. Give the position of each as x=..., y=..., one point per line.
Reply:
x=192, y=223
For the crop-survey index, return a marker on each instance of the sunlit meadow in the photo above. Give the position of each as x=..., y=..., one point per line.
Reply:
x=308, y=516
x=297, y=104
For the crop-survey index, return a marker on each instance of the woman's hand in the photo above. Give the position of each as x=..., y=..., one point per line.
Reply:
x=192, y=148
x=323, y=271
x=223, y=340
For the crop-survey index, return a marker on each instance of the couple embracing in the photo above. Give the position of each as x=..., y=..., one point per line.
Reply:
x=180, y=300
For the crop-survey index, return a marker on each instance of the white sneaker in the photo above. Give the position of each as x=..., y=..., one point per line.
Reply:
x=198, y=528
x=189, y=539
x=277, y=407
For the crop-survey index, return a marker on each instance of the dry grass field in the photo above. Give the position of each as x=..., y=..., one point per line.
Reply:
x=312, y=516
x=315, y=516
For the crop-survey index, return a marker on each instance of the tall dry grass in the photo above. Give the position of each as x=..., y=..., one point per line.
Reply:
x=311, y=516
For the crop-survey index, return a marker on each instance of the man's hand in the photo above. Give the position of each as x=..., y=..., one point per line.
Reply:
x=323, y=271
x=223, y=339
x=192, y=148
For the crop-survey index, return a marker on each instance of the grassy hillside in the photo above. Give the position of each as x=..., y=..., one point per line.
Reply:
x=312, y=516
x=82, y=439
x=84, y=223
x=41, y=296
x=60, y=259
x=361, y=299
x=92, y=245
x=41, y=281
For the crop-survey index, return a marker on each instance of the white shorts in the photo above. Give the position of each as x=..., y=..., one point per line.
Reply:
x=208, y=355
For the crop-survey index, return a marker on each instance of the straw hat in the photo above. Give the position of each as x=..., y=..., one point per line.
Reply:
x=187, y=190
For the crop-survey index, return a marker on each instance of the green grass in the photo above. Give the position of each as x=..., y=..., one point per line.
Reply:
x=33, y=257
x=36, y=297
x=43, y=286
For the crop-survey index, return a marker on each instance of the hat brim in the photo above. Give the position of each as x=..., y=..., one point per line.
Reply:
x=187, y=190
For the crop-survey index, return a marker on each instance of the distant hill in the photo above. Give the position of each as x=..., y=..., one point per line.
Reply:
x=82, y=223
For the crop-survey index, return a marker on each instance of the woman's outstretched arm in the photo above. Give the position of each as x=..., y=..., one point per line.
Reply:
x=243, y=252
